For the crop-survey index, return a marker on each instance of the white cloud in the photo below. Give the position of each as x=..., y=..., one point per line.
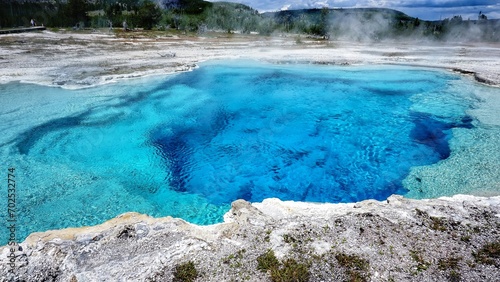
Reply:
x=424, y=9
x=322, y=4
x=285, y=7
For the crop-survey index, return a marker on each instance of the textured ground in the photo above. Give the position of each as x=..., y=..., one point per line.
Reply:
x=447, y=239
x=83, y=59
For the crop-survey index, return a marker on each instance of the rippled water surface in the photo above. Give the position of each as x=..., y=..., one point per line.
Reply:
x=188, y=145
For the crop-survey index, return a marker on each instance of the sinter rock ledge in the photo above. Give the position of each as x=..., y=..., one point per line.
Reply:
x=445, y=239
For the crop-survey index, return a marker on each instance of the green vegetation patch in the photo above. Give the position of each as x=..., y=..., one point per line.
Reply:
x=289, y=239
x=234, y=260
x=438, y=223
x=202, y=16
x=449, y=263
x=421, y=263
x=289, y=271
x=185, y=272
x=356, y=267
x=488, y=254
x=352, y=262
x=267, y=261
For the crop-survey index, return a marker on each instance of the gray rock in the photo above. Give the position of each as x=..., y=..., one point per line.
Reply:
x=446, y=239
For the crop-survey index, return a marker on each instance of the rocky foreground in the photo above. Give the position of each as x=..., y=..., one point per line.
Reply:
x=446, y=239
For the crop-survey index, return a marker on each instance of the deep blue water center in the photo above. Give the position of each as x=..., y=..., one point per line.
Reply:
x=336, y=136
x=192, y=143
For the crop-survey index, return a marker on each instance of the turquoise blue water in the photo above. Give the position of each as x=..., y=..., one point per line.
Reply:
x=187, y=145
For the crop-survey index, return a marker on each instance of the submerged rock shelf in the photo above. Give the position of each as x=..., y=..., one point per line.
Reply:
x=398, y=239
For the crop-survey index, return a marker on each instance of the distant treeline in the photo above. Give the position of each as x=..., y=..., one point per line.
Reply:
x=202, y=16
x=379, y=24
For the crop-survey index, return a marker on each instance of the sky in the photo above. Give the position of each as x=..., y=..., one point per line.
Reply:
x=423, y=9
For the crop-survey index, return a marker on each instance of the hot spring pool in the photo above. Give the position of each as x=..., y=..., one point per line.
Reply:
x=189, y=144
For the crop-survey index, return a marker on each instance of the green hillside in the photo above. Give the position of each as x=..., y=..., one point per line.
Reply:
x=359, y=24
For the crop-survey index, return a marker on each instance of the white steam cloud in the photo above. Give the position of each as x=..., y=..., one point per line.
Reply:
x=423, y=9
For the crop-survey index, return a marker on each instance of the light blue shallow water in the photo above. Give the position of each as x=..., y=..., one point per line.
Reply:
x=190, y=144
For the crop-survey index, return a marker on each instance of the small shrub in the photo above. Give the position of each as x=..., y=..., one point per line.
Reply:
x=448, y=263
x=267, y=238
x=185, y=272
x=356, y=267
x=454, y=276
x=267, y=261
x=488, y=253
x=420, y=212
x=465, y=238
x=289, y=239
x=421, y=263
x=291, y=271
x=234, y=259
x=451, y=265
x=352, y=262
x=438, y=224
